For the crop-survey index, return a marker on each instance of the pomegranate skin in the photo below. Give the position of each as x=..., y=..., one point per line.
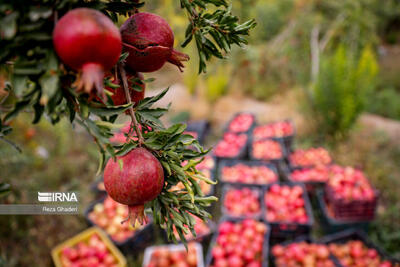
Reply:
x=149, y=40
x=118, y=96
x=140, y=179
x=87, y=41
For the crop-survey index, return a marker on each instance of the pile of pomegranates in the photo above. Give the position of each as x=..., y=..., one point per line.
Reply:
x=267, y=150
x=164, y=256
x=231, y=145
x=302, y=254
x=348, y=184
x=310, y=157
x=285, y=203
x=248, y=174
x=356, y=253
x=275, y=129
x=108, y=216
x=241, y=123
x=91, y=252
x=242, y=202
x=318, y=173
x=239, y=244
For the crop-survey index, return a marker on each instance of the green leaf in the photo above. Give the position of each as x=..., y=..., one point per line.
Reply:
x=5, y=189
x=109, y=110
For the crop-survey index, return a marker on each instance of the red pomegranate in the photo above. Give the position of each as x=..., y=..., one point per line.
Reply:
x=88, y=42
x=140, y=179
x=118, y=96
x=149, y=40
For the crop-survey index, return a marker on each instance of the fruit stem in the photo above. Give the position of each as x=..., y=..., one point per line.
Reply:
x=129, y=100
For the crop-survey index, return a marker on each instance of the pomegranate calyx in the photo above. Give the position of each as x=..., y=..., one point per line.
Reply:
x=177, y=58
x=91, y=77
x=136, y=213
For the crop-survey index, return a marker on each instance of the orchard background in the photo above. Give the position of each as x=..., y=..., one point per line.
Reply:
x=330, y=67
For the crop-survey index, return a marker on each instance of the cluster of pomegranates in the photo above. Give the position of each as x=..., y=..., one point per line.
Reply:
x=310, y=157
x=348, y=183
x=319, y=173
x=93, y=50
x=91, y=252
x=239, y=244
x=355, y=253
x=285, y=203
x=231, y=145
x=242, y=202
x=276, y=129
x=242, y=173
x=267, y=150
x=164, y=257
x=241, y=123
x=302, y=254
x=108, y=216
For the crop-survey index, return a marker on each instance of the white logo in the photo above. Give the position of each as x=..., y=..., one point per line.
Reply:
x=57, y=197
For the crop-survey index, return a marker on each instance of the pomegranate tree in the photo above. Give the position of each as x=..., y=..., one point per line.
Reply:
x=71, y=42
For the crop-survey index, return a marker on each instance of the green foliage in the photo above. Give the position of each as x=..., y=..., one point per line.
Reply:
x=342, y=89
x=385, y=102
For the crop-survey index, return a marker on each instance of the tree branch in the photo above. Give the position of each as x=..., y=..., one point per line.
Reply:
x=125, y=86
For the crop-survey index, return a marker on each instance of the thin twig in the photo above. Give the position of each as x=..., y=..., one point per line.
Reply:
x=128, y=98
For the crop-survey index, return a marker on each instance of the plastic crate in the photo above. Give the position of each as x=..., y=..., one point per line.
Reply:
x=139, y=239
x=248, y=131
x=355, y=234
x=227, y=214
x=231, y=163
x=85, y=235
x=180, y=247
x=355, y=209
x=281, y=231
x=331, y=224
x=287, y=140
x=201, y=127
x=265, y=249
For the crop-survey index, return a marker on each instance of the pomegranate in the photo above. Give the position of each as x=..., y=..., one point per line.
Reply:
x=118, y=96
x=133, y=180
x=88, y=42
x=149, y=40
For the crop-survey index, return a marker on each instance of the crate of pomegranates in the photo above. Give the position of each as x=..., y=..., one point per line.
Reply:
x=242, y=122
x=302, y=252
x=240, y=201
x=309, y=157
x=231, y=146
x=247, y=172
x=91, y=247
x=287, y=209
x=108, y=214
x=312, y=177
x=198, y=129
x=239, y=242
x=330, y=224
x=268, y=150
x=349, y=194
x=174, y=255
x=353, y=248
x=280, y=130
